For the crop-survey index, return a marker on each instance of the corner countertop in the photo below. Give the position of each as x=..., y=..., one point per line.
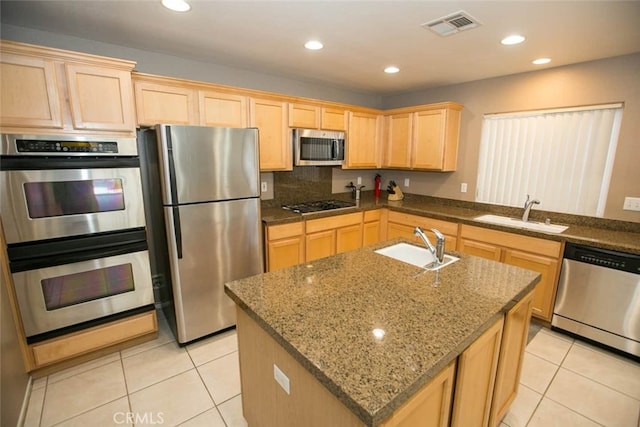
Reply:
x=323, y=313
x=601, y=233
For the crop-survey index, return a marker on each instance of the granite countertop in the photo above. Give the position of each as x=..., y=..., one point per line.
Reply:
x=324, y=313
x=597, y=232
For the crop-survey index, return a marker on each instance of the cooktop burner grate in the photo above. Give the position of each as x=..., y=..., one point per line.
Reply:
x=318, y=206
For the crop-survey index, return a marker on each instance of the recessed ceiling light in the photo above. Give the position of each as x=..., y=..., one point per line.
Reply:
x=514, y=39
x=313, y=45
x=541, y=61
x=176, y=5
x=391, y=69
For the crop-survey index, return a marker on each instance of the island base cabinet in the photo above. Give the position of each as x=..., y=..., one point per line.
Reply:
x=514, y=341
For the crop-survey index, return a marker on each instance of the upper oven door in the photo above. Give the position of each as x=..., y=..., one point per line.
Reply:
x=51, y=203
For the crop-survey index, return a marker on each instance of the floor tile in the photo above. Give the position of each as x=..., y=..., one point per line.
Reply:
x=83, y=392
x=174, y=400
x=537, y=373
x=34, y=408
x=164, y=336
x=214, y=347
x=522, y=407
x=558, y=335
x=620, y=375
x=210, y=418
x=231, y=411
x=155, y=365
x=222, y=377
x=593, y=400
x=112, y=414
x=549, y=347
x=87, y=366
x=552, y=414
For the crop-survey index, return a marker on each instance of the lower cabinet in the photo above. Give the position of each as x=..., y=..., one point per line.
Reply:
x=371, y=227
x=402, y=225
x=284, y=245
x=531, y=253
x=332, y=235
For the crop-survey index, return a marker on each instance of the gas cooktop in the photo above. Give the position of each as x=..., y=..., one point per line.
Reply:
x=321, y=205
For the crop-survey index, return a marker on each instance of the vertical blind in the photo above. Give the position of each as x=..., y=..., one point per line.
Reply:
x=561, y=157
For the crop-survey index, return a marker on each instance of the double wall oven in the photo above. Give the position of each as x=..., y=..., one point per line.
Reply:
x=73, y=217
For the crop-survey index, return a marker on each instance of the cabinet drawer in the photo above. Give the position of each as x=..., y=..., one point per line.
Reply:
x=332, y=222
x=282, y=231
x=511, y=240
x=374, y=215
x=445, y=227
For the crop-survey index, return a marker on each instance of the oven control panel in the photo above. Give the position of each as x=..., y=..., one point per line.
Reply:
x=42, y=146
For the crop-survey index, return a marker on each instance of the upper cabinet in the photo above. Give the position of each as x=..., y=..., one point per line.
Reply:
x=64, y=92
x=158, y=102
x=308, y=116
x=222, y=109
x=424, y=137
x=270, y=117
x=363, y=140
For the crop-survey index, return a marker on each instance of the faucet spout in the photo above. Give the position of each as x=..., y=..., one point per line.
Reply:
x=418, y=232
x=528, y=204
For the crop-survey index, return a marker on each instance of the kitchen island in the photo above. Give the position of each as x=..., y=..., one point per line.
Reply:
x=352, y=339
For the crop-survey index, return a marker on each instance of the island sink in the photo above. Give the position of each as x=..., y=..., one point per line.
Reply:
x=415, y=255
x=518, y=223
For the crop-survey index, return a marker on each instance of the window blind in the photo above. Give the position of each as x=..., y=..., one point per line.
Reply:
x=561, y=157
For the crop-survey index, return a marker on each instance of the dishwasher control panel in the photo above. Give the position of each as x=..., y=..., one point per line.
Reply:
x=603, y=258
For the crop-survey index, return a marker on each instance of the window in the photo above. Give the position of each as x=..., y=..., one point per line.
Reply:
x=561, y=157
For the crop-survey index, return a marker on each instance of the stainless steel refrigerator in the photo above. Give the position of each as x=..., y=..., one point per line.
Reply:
x=209, y=191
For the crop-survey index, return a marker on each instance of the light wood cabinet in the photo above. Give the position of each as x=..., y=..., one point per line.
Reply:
x=332, y=235
x=317, y=117
x=222, y=109
x=64, y=92
x=514, y=341
x=371, y=227
x=284, y=245
x=162, y=103
x=270, y=117
x=400, y=224
x=363, y=141
x=527, y=252
x=424, y=138
x=475, y=379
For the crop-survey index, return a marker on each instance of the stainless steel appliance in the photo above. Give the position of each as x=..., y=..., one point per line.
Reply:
x=599, y=297
x=74, y=222
x=318, y=206
x=312, y=147
x=209, y=182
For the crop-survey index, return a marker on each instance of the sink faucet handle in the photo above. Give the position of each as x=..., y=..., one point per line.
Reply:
x=439, y=235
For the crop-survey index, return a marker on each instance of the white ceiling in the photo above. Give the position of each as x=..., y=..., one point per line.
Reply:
x=361, y=37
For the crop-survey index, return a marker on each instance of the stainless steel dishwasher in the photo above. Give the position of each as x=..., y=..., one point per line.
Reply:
x=599, y=297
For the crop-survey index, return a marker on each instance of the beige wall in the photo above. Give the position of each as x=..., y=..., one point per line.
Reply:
x=604, y=81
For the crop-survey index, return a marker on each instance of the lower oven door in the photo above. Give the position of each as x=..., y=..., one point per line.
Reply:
x=62, y=296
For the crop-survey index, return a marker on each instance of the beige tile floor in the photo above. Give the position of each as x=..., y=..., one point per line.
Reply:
x=564, y=383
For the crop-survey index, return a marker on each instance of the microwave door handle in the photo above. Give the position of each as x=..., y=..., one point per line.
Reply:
x=334, y=149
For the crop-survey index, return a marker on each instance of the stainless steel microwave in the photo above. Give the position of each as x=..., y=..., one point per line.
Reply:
x=312, y=147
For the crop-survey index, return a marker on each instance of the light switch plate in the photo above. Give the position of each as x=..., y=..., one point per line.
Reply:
x=281, y=379
x=263, y=186
x=406, y=182
x=359, y=180
x=631, y=204
x=463, y=187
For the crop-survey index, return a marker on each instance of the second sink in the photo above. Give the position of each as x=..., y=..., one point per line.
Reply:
x=518, y=223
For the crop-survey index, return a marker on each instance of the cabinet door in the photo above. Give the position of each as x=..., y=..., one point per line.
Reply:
x=514, y=341
x=395, y=230
x=428, y=139
x=29, y=93
x=475, y=379
x=348, y=238
x=284, y=253
x=157, y=103
x=270, y=117
x=100, y=98
x=544, y=295
x=333, y=119
x=483, y=250
x=362, y=141
x=398, y=141
x=222, y=109
x=304, y=116
x=321, y=244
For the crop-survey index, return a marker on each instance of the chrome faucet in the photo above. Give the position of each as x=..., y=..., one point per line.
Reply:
x=527, y=208
x=438, y=250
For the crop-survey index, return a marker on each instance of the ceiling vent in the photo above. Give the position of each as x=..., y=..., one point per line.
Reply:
x=451, y=24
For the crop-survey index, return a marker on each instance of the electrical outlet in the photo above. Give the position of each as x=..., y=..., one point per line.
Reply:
x=463, y=187
x=359, y=180
x=281, y=379
x=263, y=186
x=406, y=182
x=631, y=204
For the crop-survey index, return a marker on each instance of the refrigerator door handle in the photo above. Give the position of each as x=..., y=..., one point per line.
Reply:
x=177, y=230
x=173, y=184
